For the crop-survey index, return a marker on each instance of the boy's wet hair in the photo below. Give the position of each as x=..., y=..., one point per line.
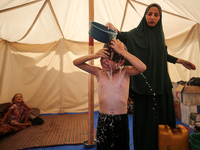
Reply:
x=116, y=57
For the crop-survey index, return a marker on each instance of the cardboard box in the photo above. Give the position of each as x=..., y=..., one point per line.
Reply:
x=192, y=89
x=177, y=107
x=194, y=117
x=186, y=110
x=190, y=95
x=176, y=94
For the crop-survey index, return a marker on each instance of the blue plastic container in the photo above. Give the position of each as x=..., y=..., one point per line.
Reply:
x=100, y=33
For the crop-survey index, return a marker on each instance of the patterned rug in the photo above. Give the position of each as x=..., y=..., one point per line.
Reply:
x=56, y=130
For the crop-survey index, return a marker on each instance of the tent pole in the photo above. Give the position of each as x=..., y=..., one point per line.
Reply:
x=2, y=73
x=91, y=82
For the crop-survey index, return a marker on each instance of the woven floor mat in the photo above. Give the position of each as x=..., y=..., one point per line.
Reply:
x=56, y=130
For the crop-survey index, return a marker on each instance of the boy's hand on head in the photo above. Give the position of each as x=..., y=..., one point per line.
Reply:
x=117, y=45
x=102, y=53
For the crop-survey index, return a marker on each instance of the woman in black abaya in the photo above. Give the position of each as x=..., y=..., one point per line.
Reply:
x=147, y=42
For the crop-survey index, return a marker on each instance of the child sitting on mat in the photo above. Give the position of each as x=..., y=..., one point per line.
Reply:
x=18, y=114
x=113, y=90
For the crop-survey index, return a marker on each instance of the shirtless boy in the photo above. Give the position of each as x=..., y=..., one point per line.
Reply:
x=113, y=90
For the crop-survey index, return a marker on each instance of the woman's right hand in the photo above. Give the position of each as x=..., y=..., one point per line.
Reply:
x=111, y=26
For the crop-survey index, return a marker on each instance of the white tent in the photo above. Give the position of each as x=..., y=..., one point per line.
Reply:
x=40, y=38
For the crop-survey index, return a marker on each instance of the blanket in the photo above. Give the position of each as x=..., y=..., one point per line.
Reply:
x=7, y=128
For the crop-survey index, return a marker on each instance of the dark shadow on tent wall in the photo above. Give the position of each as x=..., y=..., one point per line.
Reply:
x=46, y=76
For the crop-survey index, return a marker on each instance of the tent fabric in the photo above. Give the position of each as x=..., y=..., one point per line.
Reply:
x=46, y=76
x=39, y=39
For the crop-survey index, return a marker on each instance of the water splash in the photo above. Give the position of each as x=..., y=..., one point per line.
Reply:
x=120, y=69
x=147, y=83
x=112, y=36
x=153, y=93
x=109, y=73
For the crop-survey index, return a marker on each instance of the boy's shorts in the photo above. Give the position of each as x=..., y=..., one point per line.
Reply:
x=112, y=132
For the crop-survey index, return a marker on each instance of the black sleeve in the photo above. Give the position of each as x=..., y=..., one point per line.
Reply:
x=171, y=58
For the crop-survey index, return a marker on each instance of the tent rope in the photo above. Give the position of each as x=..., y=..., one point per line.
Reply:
x=19, y=6
x=43, y=6
x=54, y=14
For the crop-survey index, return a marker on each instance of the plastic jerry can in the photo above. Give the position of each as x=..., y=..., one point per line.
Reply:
x=173, y=138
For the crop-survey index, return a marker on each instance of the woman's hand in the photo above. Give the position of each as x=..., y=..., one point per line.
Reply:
x=111, y=26
x=186, y=64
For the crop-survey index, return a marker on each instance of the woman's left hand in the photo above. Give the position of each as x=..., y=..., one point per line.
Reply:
x=187, y=64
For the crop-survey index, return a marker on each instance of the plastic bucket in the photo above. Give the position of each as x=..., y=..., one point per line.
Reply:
x=195, y=141
x=100, y=33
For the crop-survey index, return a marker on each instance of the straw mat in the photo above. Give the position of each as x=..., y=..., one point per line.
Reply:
x=56, y=130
